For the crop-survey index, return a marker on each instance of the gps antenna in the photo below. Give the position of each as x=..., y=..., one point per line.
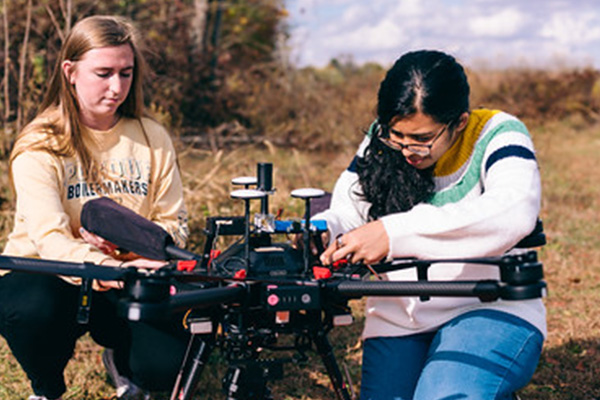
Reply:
x=245, y=181
x=264, y=174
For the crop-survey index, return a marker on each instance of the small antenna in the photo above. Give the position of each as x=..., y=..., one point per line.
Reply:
x=307, y=194
x=264, y=175
x=247, y=195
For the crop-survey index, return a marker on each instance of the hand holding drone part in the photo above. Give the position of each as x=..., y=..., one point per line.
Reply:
x=368, y=244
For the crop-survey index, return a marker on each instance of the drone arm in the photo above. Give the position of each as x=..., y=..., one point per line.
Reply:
x=177, y=253
x=503, y=262
x=203, y=298
x=487, y=290
x=81, y=270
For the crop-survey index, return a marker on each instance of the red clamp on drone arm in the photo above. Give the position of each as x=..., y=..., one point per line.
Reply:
x=213, y=254
x=321, y=273
x=339, y=264
x=186, y=265
x=240, y=274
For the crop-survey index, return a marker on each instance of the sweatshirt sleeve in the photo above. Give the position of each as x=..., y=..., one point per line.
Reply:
x=484, y=225
x=168, y=207
x=38, y=192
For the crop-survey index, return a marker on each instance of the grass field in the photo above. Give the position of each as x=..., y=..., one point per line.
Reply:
x=568, y=153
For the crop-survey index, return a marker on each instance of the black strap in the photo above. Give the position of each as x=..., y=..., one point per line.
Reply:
x=536, y=238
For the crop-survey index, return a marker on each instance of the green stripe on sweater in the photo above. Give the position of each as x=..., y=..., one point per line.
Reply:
x=458, y=191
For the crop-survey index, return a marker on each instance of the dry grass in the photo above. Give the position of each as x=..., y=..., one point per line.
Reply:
x=568, y=152
x=570, y=365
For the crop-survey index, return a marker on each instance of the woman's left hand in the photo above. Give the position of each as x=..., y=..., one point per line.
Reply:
x=144, y=263
x=141, y=263
x=368, y=244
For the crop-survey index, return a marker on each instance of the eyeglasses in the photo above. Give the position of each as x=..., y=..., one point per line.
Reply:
x=420, y=149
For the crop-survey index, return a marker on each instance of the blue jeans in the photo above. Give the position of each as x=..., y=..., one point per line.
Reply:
x=483, y=354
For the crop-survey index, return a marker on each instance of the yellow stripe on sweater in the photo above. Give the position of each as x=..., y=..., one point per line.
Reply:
x=461, y=150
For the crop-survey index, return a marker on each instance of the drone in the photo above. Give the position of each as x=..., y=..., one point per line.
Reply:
x=245, y=298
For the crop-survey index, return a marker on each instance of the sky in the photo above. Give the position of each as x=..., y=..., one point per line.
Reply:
x=479, y=33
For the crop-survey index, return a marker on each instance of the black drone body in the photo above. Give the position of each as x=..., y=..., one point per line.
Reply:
x=244, y=299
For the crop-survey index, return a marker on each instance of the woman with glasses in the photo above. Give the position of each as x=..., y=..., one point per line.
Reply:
x=433, y=179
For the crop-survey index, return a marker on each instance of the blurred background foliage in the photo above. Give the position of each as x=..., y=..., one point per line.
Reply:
x=223, y=78
x=193, y=46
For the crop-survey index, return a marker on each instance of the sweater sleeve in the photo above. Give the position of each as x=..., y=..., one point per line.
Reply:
x=347, y=210
x=36, y=178
x=488, y=224
x=168, y=207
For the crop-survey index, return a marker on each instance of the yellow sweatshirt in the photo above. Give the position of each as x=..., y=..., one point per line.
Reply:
x=139, y=171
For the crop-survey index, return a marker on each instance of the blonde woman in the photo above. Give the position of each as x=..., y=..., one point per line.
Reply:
x=89, y=139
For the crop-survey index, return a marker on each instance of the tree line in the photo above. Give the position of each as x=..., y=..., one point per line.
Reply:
x=191, y=46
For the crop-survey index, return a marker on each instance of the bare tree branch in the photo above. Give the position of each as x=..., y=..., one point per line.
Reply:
x=69, y=15
x=90, y=5
x=6, y=83
x=55, y=23
x=22, y=64
x=198, y=25
x=67, y=12
x=61, y=4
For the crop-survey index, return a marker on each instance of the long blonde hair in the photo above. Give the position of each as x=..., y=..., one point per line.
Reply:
x=58, y=117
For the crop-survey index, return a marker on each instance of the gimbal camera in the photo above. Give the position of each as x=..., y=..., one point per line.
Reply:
x=244, y=299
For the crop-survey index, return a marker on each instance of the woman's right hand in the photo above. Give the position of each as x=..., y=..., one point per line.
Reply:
x=368, y=244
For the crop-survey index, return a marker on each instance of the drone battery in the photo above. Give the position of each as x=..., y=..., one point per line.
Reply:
x=292, y=298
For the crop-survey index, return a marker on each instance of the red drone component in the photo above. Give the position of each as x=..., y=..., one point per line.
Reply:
x=321, y=272
x=186, y=265
x=240, y=274
x=213, y=254
x=339, y=264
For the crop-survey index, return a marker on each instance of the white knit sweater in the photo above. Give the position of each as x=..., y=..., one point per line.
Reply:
x=487, y=198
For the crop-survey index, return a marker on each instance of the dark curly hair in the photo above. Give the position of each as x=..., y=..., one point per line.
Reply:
x=389, y=183
x=426, y=81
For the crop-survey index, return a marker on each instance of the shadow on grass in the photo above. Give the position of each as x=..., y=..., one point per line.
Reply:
x=567, y=372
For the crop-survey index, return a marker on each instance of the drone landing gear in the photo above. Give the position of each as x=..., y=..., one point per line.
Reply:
x=325, y=351
x=246, y=379
x=195, y=359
